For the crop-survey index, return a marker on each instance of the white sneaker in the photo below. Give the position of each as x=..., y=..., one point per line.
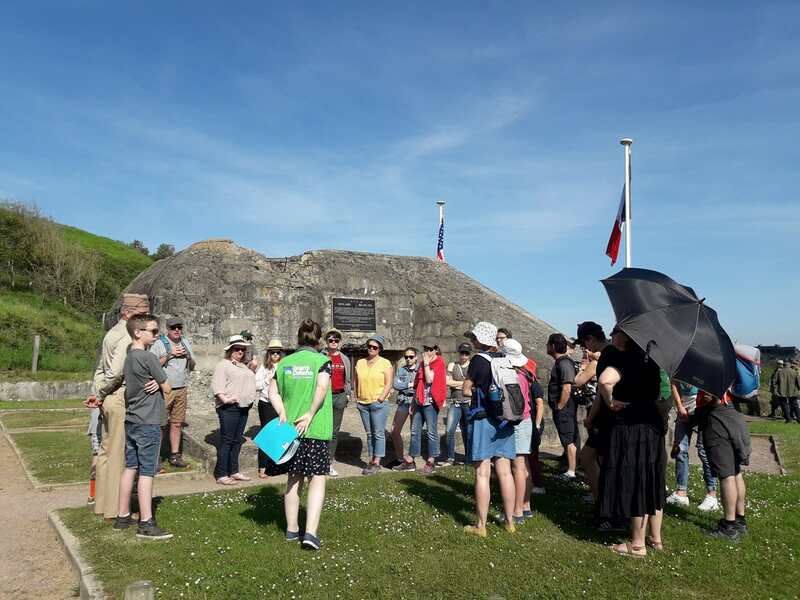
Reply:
x=333, y=473
x=538, y=491
x=708, y=504
x=678, y=500
x=566, y=476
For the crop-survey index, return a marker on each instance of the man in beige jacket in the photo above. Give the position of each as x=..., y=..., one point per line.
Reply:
x=110, y=396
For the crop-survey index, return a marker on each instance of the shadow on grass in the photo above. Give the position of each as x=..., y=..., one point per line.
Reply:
x=449, y=496
x=266, y=507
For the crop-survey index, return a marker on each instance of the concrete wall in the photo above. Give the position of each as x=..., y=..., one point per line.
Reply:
x=45, y=390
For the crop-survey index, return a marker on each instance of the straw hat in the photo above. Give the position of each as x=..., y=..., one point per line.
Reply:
x=236, y=340
x=275, y=344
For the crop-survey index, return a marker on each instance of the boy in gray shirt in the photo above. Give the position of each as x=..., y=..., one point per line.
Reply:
x=144, y=416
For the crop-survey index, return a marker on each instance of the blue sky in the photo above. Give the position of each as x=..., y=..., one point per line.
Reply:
x=338, y=125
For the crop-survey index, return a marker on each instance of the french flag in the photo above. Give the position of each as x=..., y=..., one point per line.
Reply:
x=612, y=249
x=440, y=244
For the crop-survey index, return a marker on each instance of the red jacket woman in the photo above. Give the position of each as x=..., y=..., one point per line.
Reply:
x=438, y=389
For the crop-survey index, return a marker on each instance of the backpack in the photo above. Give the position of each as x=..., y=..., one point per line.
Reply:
x=165, y=340
x=505, y=401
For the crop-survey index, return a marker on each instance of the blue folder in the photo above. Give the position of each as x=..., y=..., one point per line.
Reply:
x=278, y=440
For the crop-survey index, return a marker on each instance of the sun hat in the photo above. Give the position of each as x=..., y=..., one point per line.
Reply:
x=513, y=351
x=430, y=343
x=275, y=344
x=138, y=302
x=236, y=340
x=485, y=333
x=377, y=338
x=334, y=331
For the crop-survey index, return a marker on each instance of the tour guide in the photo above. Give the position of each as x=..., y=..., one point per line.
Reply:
x=300, y=393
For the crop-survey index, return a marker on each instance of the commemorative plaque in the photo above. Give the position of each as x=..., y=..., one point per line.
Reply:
x=354, y=314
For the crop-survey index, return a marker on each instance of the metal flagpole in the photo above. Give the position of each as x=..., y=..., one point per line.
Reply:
x=627, y=143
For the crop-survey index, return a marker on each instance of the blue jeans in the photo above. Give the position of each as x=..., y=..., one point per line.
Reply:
x=457, y=415
x=373, y=416
x=142, y=445
x=683, y=437
x=232, y=421
x=431, y=415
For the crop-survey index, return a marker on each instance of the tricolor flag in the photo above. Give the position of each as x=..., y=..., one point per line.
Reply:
x=612, y=249
x=440, y=244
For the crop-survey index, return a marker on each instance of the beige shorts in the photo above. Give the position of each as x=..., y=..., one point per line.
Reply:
x=176, y=405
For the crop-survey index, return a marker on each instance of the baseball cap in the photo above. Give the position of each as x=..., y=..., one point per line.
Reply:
x=465, y=347
x=173, y=321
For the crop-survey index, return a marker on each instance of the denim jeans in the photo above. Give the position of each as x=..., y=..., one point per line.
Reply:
x=142, y=444
x=683, y=437
x=339, y=404
x=457, y=415
x=373, y=416
x=232, y=421
x=431, y=416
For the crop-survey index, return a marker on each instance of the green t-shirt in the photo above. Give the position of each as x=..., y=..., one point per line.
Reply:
x=296, y=376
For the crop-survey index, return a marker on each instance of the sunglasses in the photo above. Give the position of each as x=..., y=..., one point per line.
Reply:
x=464, y=353
x=373, y=347
x=276, y=351
x=429, y=348
x=178, y=327
x=237, y=349
x=153, y=331
x=410, y=357
x=331, y=340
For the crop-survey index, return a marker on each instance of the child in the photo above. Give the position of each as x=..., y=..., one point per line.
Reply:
x=145, y=414
x=95, y=433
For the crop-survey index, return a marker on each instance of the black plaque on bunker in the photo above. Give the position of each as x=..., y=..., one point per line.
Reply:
x=354, y=314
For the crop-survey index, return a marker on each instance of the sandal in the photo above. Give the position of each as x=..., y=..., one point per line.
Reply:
x=240, y=477
x=226, y=481
x=649, y=541
x=629, y=550
x=263, y=476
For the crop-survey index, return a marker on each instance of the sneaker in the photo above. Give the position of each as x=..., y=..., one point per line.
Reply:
x=678, y=499
x=149, y=530
x=333, y=473
x=446, y=463
x=90, y=500
x=427, y=469
x=405, y=466
x=123, y=522
x=371, y=470
x=527, y=514
x=311, y=542
x=726, y=531
x=708, y=504
x=538, y=491
x=566, y=476
x=292, y=536
x=176, y=460
x=741, y=525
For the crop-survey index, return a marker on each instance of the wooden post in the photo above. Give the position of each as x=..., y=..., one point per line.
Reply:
x=35, y=361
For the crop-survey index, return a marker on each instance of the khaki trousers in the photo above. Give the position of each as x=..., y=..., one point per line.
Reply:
x=111, y=458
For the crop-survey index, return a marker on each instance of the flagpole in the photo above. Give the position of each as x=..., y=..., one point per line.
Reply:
x=627, y=143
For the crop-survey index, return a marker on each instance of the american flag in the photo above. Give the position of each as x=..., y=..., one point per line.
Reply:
x=440, y=245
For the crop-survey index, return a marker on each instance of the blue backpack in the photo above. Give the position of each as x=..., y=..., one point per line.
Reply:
x=748, y=372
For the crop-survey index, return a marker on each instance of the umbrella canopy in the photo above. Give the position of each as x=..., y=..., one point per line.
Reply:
x=675, y=327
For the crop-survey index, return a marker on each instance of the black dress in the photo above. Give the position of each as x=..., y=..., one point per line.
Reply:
x=632, y=480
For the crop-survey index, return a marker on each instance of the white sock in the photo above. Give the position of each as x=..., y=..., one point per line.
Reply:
x=571, y=473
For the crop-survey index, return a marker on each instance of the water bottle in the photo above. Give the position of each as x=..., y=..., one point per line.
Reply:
x=140, y=590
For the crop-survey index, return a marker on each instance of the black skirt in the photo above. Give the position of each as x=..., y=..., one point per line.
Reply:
x=311, y=458
x=632, y=478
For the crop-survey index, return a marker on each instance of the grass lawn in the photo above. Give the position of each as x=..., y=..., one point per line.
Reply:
x=40, y=404
x=63, y=456
x=60, y=418
x=400, y=535
x=13, y=376
x=56, y=456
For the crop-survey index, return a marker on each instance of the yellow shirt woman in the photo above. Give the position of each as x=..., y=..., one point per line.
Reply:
x=372, y=379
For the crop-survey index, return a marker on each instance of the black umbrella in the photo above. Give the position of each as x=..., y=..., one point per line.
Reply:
x=675, y=327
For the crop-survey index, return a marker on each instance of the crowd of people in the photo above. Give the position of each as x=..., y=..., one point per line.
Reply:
x=492, y=396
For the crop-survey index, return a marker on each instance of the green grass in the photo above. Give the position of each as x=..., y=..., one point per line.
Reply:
x=61, y=418
x=40, y=404
x=400, y=535
x=56, y=456
x=12, y=376
x=64, y=456
x=69, y=338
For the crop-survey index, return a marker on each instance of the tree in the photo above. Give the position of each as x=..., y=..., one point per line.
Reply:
x=164, y=251
x=139, y=245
